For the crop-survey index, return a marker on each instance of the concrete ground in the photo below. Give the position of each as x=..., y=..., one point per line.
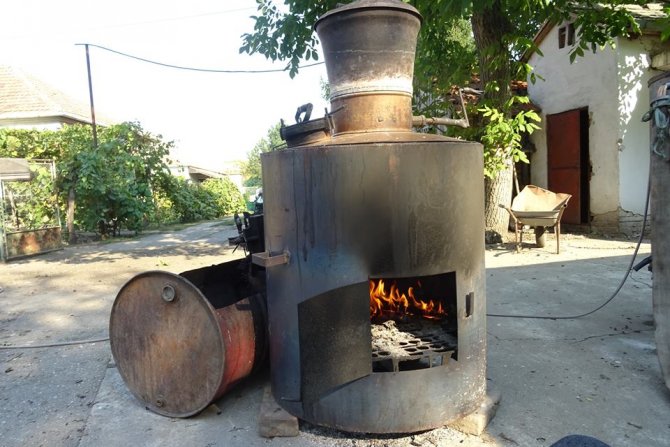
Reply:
x=596, y=375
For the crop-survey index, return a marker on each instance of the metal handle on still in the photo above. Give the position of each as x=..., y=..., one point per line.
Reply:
x=420, y=121
x=266, y=259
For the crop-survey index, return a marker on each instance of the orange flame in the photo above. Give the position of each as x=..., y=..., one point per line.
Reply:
x=396, y=304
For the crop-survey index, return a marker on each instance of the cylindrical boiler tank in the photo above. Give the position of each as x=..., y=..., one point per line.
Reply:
x=342, y=215
x=374, y=202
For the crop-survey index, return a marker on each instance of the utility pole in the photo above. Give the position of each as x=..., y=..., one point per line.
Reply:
x=90, y=95
x=71, y=197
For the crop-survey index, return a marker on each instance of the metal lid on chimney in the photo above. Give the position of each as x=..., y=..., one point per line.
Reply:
x=370, y=4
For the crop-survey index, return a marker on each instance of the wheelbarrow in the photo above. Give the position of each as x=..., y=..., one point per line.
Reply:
x=538, y=208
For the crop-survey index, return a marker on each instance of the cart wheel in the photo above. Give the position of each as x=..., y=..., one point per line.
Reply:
x=540, y=236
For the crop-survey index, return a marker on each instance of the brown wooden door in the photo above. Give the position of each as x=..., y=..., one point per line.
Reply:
x=565, y=156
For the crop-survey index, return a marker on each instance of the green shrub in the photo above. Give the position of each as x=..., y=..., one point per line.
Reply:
x=228, y=198
x=123, y=182
x=190, y=202
x=33, y=204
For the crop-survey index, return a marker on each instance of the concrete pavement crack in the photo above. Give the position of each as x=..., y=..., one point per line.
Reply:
x=81, y=433
x=614, y=334
x=525, y=338
x=569, y=340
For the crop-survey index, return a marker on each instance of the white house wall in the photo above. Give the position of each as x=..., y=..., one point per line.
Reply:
x=37, y=124
x=592, y=82
x=634, y=74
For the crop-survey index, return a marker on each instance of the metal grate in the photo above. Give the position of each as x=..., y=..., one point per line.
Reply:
x=423, y=345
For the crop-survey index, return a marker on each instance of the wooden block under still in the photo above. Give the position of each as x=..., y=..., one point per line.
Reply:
x=475, y=423
x=274, y=421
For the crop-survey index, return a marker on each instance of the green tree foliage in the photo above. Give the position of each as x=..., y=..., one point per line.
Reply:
x=31, y=204
x=113, y=182
x=124, y=182
x=189, y=202
x=503, y=132
x=438, y=42
x=227, y=196
x=183, y=201
x=459, y=38
x=251, y=168
x=287, y=36
x=446, y=54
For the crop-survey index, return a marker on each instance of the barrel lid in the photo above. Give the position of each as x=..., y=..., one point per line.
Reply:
x=370, y=4
x=167, y=343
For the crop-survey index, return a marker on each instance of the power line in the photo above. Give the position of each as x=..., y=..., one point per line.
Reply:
x=179, y=67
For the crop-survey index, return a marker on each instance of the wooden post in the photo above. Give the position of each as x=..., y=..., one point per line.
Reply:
x=660, y=220
x=72, y=236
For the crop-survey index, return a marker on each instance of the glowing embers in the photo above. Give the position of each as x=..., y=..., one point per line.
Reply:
x=413, y=322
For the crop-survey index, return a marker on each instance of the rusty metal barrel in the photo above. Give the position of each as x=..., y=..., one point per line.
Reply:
x=369, y=48
x=181, y=341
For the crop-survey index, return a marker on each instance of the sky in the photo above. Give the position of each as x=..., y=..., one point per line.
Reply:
x=212, y=117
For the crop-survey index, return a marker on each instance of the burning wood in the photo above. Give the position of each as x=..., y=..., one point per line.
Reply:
x=396, y=304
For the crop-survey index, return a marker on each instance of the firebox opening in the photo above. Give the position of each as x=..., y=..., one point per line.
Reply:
x=414, y=324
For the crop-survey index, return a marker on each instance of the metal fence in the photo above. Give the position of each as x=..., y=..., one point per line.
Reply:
x=29, y=213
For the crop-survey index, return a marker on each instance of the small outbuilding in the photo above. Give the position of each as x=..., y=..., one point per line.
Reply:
x=593, y=144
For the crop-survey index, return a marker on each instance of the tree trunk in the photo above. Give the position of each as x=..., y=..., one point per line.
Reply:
x=489, y=26
x=497, y=191
x=72, y=237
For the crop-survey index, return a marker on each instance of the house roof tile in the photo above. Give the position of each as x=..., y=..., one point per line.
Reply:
x=649, y=11
x=648, y=16
x=23, y=96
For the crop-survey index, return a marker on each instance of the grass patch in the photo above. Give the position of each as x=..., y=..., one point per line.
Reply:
x=175, y=226
x=85, y=238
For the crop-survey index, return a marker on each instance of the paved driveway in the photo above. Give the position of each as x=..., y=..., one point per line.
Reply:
x=46, y=394
x=597, y=375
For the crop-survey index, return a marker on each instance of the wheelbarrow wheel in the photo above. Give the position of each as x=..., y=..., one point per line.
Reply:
x=540, y=236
